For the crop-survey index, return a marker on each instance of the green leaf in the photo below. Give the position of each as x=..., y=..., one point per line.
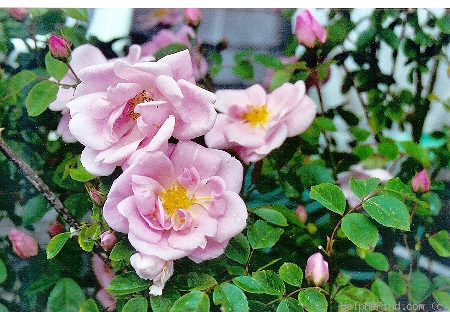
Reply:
x=362, y=188
x=262, y=235
x=195, y=301
x=127, y=283
x=416, y=151
x=56, y=244
x=169, y=49
x=268, y=60
x=360, y=134
x=55, y=68
x=164, y=302
x=383, y=292
x=440, y=243
x=279, y=77
x=388, y=211
x=365, y=38
x=66, y=296
x=397, y=283
x=40, y=96
x=244, y=69
x=89, y=306
x=34, y=209
x=312, y=300
x=86, y=243
x=3, y=308
x=351, y=296
x=271, y=215
x=290, y=216
x=248, y=284
x=291, y=273
x=363, y=151
x=397, y=186
x=20, y=80
x=388, y=149
x=289, y=305
x=242, y=55
x=122, y=250
x=139, y=304
x=444, y=24
x=78, y=204
x=78, y=14
x=442, y=298
x=377, y=260
x=199, y=281
x=270, y=281
x=3, y=272
x=360, y=230
x=312, y=174
x=79, y=173
x=420, y=287
x=390, y=37
x=238, y=249
x=325, y=123
x=230, y=298
x=330, y=196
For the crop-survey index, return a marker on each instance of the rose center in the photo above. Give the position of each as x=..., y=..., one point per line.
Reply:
x=141, y=97
x=257, y=115
x=176, y=197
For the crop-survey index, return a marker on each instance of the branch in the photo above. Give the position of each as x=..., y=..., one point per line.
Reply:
x=43, y=188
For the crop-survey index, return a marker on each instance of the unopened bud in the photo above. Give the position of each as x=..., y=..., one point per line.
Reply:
x=19, y=14
x=301, y=213
x=421, y=182
x=56, y=228
x=23, y=245
x=59, y=47
x=107, y=240
x=192, y=17
x=97, y=197
x=317, y=269
x=308, y=30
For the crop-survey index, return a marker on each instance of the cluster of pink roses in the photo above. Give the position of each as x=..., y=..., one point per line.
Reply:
x=181, y=199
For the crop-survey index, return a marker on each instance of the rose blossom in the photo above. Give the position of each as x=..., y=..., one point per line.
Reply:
x=82, y=56
x=183, y=202
x=166, y=37
x=152, y=268
x=104, y=276
x=254, y=123
x=317, y=269
x=308, y=30
x=19, y=14
x=359, y=172
x=24, y=245
x=120, y=107
x=107, y=240
x=192, y=17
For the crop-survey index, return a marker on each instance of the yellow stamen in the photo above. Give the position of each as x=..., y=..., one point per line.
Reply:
x=176, y=197
x=257, y=115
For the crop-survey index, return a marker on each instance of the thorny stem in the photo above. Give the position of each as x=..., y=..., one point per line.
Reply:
x=43, y=188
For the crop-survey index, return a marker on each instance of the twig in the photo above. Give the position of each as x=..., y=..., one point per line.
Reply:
x=43, y=188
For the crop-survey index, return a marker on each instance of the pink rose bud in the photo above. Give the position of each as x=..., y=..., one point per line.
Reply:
x=192, y=17
x=301, y=213
x=59, y=47
x=308, y=30
x=317, y=269
x=19, y=13
x=107, y=240
x=96, y=196
x=421, y=182
x=55, y=228
x=24, y=245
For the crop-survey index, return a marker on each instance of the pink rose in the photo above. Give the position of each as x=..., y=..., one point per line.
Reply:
x=19, y=14
x=120, y=107
x=107, y=240
x=317, y=269
x=184, y=36
x=308, y=30
x=359, y=172
x=158, y=16
x=152, y=268
x=104, y=276
x=254, y=123
x=301, y=213
x=55, y=228
x=59, y=47
x=421, y=182
x=24, y=245
x=183, y=202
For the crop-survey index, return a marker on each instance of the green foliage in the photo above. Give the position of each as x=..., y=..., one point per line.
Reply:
x=263, y=235
x=330, y=196
x=230, y=298
x=195, y=301
x=40, y=96
x=67, y=295
x=89, y=306
x=136, y=305
x=238, y=249
x=127, y=283
x=270, y=281
x=272, y=216
x=360, y=230
x=169, y=49
x=440, y=243
x=362, y=188
x=56, y=244
x=312, y=300
x=291, y=273
x=388, y=211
